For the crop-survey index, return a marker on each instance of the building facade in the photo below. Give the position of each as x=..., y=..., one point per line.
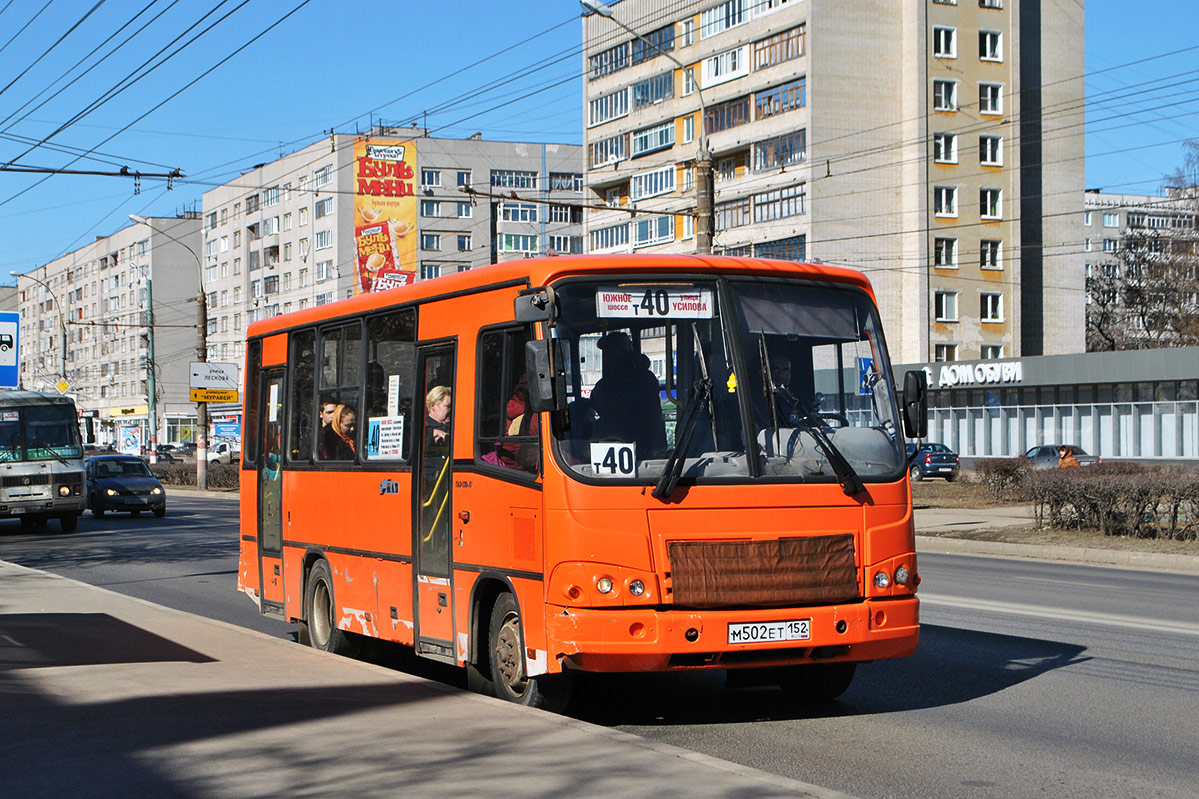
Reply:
x=282, y=237
x=933, y=144
x=126, y=305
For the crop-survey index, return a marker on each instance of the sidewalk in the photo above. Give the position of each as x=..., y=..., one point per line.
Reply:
x=103, y=695
x=949, y=520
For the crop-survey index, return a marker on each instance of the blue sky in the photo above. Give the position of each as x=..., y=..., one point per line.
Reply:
x=339, y=64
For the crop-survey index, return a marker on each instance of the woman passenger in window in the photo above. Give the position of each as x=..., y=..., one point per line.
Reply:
x=341, y=440
x=437, y=421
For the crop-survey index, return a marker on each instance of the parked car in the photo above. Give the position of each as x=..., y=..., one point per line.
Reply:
x=933, y=460
x=166, y=456
x=124, y=483
x=1046, y=456
x=222, y=452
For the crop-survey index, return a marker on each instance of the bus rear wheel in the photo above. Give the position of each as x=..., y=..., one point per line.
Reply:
x=507, y=663
x=322, y=614
x=817, y=682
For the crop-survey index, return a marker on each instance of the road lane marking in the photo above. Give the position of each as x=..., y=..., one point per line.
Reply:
x=1105, y=619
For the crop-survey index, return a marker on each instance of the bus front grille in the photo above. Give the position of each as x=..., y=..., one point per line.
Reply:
x=18, y=480
x=774, y=573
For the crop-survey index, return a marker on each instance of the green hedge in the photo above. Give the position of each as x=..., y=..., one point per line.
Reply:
x=220, y=475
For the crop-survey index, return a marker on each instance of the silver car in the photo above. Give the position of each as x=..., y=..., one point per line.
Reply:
x=1046, y=457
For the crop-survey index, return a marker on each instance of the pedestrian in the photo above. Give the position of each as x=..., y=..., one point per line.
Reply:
x=1065, y=458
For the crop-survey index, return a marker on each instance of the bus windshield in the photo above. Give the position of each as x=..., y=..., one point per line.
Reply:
x=725, y=380
x=39, y=432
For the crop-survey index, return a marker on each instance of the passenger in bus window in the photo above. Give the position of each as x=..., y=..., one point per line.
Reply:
x=626, y=398
x=437, y=423
x=325, y=437
x=520, y=422
x=340, y=441
x=786, y=403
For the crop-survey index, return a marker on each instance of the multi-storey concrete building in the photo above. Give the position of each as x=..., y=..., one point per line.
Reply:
x=99, y=298
x=934, y=144
x=283, y=236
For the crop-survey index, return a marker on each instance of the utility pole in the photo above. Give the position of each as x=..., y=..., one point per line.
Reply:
x=151, y=390
x=705, y=194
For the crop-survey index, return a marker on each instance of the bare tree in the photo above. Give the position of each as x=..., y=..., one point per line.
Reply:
x=1149, y=296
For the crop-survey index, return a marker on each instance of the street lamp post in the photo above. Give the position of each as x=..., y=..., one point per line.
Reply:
x=201, y=355
x=62, y=324
x=704, y=185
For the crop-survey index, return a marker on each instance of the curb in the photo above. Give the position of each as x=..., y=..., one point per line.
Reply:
x=1155, y=561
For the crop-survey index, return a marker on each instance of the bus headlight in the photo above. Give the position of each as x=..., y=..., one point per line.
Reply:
x=604, y=585
x=636, y=588
x=902, y=575
x=881, y=580
x=64, y=491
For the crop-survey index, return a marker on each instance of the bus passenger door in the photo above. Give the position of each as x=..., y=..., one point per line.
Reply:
x=270, y=493
x=433, y=476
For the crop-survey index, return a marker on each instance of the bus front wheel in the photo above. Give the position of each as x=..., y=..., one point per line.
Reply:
x=507, y=662
x=322, y=614
x=817, y=682
x=69, y=522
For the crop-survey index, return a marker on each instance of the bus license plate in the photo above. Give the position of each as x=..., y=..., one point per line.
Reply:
x=765, y=632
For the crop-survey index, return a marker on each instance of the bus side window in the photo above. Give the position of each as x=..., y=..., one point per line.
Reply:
x=254, y=370
x=300, y=430
x=388, y=426
x=340, y=385
x=509, y=433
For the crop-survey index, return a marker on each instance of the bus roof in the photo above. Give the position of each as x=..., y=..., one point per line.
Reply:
x=540, y=271
x=20, y=397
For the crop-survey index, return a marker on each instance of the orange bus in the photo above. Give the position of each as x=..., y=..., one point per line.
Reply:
x=593, y=463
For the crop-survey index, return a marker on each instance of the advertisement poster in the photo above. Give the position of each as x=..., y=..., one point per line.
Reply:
x=385, y=205
x=129, y=439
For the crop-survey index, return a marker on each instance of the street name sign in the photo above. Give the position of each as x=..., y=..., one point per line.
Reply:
x=214, y=382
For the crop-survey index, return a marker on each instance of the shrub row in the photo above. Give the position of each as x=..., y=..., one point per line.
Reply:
x=1116, y=498
x=220, y=475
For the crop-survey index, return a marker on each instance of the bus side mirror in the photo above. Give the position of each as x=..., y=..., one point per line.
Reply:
x=547, y=377
x=536, y=305
x=915, y=404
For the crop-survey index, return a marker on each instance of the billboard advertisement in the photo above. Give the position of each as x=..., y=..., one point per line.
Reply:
x=385, y=205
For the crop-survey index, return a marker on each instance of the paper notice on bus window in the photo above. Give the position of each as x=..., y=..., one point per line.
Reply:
x=654, y=302
x=273, y=404
x=614, y=459
x=393, y=395
x=9, y=416
x=385, y=437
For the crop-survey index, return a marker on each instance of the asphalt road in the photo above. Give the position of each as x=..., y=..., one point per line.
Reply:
x=1032, y=679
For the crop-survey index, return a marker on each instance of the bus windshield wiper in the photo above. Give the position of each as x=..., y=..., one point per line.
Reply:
x=50, y=449
x=701, y=391
x=848, y=478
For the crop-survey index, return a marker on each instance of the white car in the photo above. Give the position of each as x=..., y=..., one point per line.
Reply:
x=222, y=452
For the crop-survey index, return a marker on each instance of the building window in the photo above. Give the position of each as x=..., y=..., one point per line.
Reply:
x=322, y=208
x=945, y=148
x=463, y=177
x=430, y=241
x=608, y=107
x=324, y=239
x=721, y=17
x=517, y=242
x=688, y=129
x=270, y=197
x=779, y=99
x=780, y=203
x=287, y=222
x=656, y=42
x=252, y=204
x=325, y=271
x=990, y=307
x=1086, y=245
x=611, y=60
x=652, y=139
x=1111, y=219
x=513, y=179
x=792, y=248
x=463, y=242
x=990, y=46
x=723, y=116
x=945, y=95
x=945, y=352
x=566, y=214
x=779, y=151
x=1086, y=218
x=726, y=169
x=726, y=66
x=945, y=306
x=210, y=221
x=944, y=43
x=518, y=212
x=652, y=91
x=303, y=222
x=732, y=214
x=430, y=208
x=652, y=183
x=653, y=230
x=779, y=48
x=610, y=238
x=989, y=257
x=612, y=197
x=572, y=245
x=566, y=181
x=430, y=178
x=990, y=3
x=945, y=201
x=945, y=253
x=1109, y=245
x=464, y=210
x=607, y=151
x=990, y=203
x=990, y=150
x=991, y=352
x=322, y=176
x=990, y=98
x=686, y=33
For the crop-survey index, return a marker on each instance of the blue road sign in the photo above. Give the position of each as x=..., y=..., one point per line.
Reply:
x=10, y=348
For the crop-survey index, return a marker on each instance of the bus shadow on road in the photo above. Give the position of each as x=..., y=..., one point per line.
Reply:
x=950, y=666
x=32, y=640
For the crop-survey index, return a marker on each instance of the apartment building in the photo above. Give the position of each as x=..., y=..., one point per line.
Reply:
x=99, y=298
x=288, y=235
x=934, y=144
